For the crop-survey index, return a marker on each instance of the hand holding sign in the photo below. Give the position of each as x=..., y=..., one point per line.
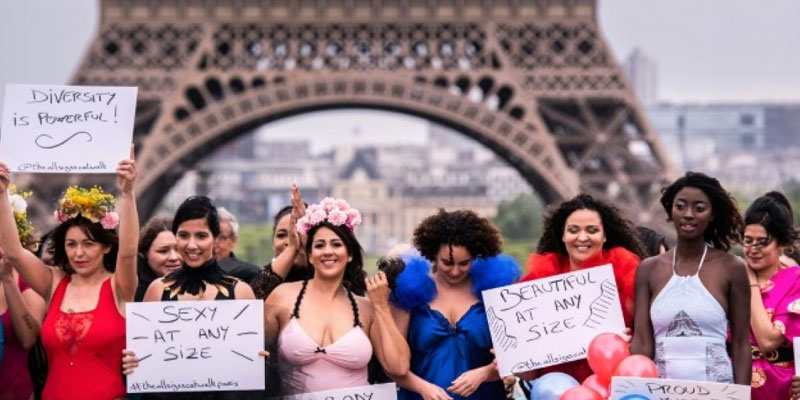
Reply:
x=65, y=129
x=126, y=173
x=551, y=320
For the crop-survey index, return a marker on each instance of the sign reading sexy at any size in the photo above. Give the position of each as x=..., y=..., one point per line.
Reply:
x=551, y=320
x=627, y=388
x=67, y=129
x=190, y=346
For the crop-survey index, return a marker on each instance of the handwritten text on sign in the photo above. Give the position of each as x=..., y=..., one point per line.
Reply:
x=625, y=388
x=386, y=391
x=67, y=129
x=190, y=346
x=551, y=320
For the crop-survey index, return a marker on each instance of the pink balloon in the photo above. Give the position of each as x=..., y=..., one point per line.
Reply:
x=580, y=393
x=593, y=382
x=605, y=352
x=637, y=366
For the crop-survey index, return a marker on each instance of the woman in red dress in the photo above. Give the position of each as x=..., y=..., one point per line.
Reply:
x=581, y=233
x=94, y=276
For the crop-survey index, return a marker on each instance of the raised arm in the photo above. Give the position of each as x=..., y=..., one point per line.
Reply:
x=643, y=336
x=26, y=308
x=391, y=347
x=125, y=276
x=283, y=262
x=767, y=335
x=739, y=314
x=32, y=269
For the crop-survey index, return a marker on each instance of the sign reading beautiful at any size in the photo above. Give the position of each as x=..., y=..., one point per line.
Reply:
x=66, y=129
x=551, y=320
x=386, y=391
x=627, y=388
x=191, y=346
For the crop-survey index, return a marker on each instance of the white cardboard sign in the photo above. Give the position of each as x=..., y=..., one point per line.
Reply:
x=796, y=343
x=627, y=388
x=190, y=346
x=551, y=320
x=66, y=129
x=386, y=391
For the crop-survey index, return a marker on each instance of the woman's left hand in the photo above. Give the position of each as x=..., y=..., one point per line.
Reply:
x=466, y=384
x=126, y=174
x=378, y=289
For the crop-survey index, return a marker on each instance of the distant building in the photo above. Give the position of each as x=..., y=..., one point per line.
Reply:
x=642, y=73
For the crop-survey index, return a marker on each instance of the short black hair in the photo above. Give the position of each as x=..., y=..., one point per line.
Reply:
x=457, y=228
x=197, y=207
x=726, y=226
x=652, y=240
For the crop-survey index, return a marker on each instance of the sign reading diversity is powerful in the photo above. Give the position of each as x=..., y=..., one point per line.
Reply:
x=66, y=129
x=191, y=346
x=551, y=320
x=386, y=391
x=626, y=388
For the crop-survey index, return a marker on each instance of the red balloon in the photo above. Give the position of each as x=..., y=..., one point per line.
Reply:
x=637, y=366
x=605, y=352
x=580, y=393
x=593, y=382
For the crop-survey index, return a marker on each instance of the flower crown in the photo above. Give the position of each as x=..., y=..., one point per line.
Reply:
x=25, y=228
x=93, y=204
x=335, y=211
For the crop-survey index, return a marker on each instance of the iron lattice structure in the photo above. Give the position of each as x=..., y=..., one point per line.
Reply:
x=534, y=80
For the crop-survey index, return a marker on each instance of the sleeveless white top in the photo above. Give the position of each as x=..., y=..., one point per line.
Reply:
x=690, y=330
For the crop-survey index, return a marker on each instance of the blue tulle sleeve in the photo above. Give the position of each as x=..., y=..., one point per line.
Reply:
x=493, y=272
x=414, y=285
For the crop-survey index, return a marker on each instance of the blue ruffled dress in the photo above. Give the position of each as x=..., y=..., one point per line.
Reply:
x=440, y=353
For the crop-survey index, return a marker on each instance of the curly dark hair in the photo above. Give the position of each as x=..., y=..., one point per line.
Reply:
x=774, y=212
x=727, y=224
x=354, y=273
x=95, y=231
x=457, y=228
x=619, y=231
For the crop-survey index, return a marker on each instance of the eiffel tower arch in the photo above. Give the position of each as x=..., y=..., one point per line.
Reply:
x=534, y=80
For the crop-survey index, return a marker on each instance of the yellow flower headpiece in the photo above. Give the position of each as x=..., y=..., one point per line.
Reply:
x=25, y=230
x=93, y=204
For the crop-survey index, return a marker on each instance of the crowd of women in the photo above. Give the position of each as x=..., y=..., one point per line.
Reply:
x=699, y=311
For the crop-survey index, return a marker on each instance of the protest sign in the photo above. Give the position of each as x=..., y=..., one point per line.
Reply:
x=386, y=391
x=190, y=346
x=66, y=129
x=551, y=320
x=627, y=388
x=796, y=342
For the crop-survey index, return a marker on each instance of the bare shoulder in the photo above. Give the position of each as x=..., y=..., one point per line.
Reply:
x=284, y=291
x=155, y=290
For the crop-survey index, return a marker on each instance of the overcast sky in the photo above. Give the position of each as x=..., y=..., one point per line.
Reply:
x=706, y=50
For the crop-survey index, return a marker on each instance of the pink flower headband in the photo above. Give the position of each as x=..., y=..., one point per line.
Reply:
x=335, y=211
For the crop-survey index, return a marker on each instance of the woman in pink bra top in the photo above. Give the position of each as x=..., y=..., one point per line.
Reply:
x=324, y=330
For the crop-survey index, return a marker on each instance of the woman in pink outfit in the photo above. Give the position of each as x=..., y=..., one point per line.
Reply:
x=775, y=295
x=324, y=331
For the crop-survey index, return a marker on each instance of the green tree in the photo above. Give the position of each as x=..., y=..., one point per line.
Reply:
x=520, y=218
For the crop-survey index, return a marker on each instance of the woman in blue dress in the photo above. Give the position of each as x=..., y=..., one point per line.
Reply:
x=439, y=308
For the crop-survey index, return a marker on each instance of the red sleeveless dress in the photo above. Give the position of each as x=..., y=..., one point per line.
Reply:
x=84, y=350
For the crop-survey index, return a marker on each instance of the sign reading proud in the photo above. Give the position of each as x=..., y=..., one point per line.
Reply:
x=626, y=388
x=551, y=320
x=190, y=346
x=386, y=391
x=67, y=129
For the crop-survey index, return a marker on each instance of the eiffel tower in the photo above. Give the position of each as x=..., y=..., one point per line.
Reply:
x=533, y=80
